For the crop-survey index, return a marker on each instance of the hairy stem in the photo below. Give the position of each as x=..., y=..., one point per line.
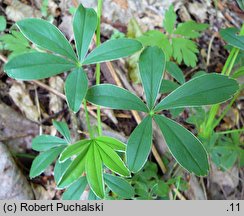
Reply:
x=98, y=67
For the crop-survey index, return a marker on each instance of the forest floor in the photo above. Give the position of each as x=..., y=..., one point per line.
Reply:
x=27, y=108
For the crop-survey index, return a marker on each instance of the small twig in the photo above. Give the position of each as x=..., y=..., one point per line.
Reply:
x=49, y=89
x=114, y=74
x=39, y=110
x=204, y=188
x=3, y=58
x=18, y=136
x=226, y=15
x=75, y=3
x=210, y=47
x=177, y=192
x=54, y=115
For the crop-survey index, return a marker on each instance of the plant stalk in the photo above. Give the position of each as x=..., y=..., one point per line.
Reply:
x=98, y=67
x=226, y=110
x=229, y=64
x=88, y=122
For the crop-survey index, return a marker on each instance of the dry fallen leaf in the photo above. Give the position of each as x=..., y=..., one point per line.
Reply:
x=122, y=3
x=21, y=98
x=56, y=104
x=45, y=193
x=229, y=178
x=66, y=26
x=15, y=130
x=199, y=10
x=17, y=11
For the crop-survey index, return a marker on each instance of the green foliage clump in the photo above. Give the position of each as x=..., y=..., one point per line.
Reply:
x=83, y=162
x=178, y=42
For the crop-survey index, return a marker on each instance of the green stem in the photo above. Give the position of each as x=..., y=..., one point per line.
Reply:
x=88, y=122
x=236, y=52
x=23, y=155
x=226, y=110
x=229, y=64
x=98, y=67
x=231, y=131
x=228, y=61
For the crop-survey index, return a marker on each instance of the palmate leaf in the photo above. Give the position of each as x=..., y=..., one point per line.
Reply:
x=184, y=146
x=34, y=66
x=185, y=50
x=112, y=50
x=46, y=142
x=43, y=160
x=76, y=86
x=231, y=37
x=47, y=36
x=156, y=38
x=114, y=97
x=119, y=186
x=75, y=190
x=16, y=43
x=203, y=90
x=100, y=153
x=63, y=129
x=152, y=65
x=139, y=145
x=100, y=150
x=84, y=25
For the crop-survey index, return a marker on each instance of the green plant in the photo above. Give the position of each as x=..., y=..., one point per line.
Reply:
x=91, y=155
x=61, y=58
x=44, y=9
x=83, y=162
x=178, y=41
x=178, y=44
x=148, y=184
x=16, y=43
x=237, y=43
x=225, y=148
x=185, y=147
